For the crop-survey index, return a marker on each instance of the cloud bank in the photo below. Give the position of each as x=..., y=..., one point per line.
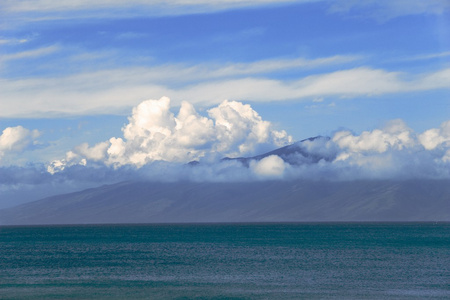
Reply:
x=159, y=145
x=155, y=138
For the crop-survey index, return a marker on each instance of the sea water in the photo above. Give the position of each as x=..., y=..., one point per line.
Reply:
x=226, y=261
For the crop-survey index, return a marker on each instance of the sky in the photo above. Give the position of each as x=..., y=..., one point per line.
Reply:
x=94, y=93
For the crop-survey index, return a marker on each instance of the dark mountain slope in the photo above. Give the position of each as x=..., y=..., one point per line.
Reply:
x=272, y=201
x=294, y=154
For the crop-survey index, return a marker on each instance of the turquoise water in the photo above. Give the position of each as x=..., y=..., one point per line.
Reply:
x=240, y=261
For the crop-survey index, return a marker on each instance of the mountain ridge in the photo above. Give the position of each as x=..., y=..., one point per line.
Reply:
x=249, y=201
x=269, y=201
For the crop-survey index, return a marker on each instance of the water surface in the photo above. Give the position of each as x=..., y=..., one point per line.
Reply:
x=223, y=261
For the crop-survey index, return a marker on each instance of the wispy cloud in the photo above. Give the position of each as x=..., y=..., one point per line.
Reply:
x=384, y=10
x=113, y=90
x=4, y=41
x=33, y=10
x=427, y=56
x=34, y=53
x=45, y=5
x=118, y=88
x=274, y=65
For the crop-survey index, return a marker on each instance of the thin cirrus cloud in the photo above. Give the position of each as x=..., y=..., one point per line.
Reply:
x=87, y=92
x=30, y=10
x=4, y=41
x=427, y=56
x=380, y=8
x=94, y=92
x=384, y=10
x=45, y=5
x=34, y=53
x=16, y=13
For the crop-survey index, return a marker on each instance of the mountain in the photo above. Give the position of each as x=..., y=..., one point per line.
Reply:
x=294, y=154
x=258, y=201
x=269, y=201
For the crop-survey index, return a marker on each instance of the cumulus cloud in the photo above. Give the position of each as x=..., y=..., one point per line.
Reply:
x=396, y=135
x=155, y=133
x=16, y=139
x=270, y=166
x=395, y=151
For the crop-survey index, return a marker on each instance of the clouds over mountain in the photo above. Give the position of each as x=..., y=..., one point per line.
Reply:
x=154, y=133
x=160, y=143
x=157, y=145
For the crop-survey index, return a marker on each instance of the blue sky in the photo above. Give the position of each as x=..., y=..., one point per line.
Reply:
x=71, y=72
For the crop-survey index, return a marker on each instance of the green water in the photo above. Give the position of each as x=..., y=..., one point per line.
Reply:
x=240, y=261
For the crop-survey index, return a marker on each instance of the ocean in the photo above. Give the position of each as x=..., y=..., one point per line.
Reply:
x=226, y=261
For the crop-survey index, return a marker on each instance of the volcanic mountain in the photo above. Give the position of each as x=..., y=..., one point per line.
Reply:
x=255, y=201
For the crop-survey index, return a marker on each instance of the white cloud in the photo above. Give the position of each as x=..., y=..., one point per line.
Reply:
x=427, y=56
x=436, y=137
x=395, y=151
x=392, y=152
x=114, y=90
x=47, y=9
x=396, y=135
x=358, y=81
x=431, y=81
x=46, y=5
x=271, y=166
x=92, y=153
x=29, y=53
x=16, y=139
x=72, y=9
x=273, y=65
x=4, y=41
x=384, y=10
x=154, y=133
